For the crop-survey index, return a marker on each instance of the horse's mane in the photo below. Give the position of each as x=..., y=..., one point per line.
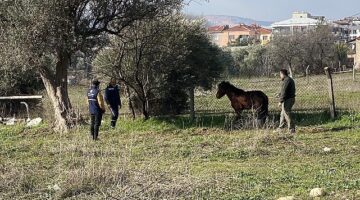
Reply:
x=230, y=87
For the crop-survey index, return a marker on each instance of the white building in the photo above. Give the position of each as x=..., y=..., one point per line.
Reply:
x=355, y=28
x=300, y=22
x=346, y=29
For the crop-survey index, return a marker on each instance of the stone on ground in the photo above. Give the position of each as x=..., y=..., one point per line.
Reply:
x=34, y=122
x=287, y=198
x=317, y=192
x=327, y=149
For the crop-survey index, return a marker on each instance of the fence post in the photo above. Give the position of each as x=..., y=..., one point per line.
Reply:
x=354, y=72
x=192, y=104
x=331, y=92
x=307, y=73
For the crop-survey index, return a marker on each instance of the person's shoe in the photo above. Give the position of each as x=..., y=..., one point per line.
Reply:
x=112, y=127
x=292, y=131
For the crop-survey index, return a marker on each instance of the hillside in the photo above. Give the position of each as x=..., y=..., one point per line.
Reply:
x=233, y=20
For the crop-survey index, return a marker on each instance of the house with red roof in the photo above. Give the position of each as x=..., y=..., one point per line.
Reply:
x=218, y=36
x=224, y=36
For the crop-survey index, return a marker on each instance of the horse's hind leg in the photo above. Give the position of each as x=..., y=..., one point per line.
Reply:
x=261, y=119
x=238, y=115
x=261, y=122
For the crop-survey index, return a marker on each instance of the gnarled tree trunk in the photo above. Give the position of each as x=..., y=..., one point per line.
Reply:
x=57, y=90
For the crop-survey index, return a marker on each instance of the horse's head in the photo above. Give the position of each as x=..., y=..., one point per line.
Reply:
x=222, y=89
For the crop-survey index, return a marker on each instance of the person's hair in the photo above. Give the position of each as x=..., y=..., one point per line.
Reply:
x=96, y=82
x=284, y=72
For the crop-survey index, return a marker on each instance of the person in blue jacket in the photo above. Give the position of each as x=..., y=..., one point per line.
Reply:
x=112, y=98
x=96, y=108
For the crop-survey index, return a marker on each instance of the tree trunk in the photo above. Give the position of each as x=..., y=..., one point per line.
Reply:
x=192, y=104
x=131, y=107
x=57, y=90
x=144, y=109
x=291, y=71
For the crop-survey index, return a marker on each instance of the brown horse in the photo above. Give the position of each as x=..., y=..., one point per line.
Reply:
x=245, y=100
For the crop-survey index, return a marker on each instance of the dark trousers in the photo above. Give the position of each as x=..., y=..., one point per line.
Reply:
x=95, y=125
x=114, y=115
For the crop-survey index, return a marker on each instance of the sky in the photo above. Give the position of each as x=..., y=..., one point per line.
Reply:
x=274, y=10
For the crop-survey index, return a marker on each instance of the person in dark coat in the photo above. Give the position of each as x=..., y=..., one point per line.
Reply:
x=96, y=108
x=112, y=98
x=287, y=101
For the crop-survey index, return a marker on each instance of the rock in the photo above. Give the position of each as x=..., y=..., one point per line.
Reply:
x=54, y=187
x=327, y=149
x=317, y=192
x=10, y=122
x=287, y=198
x=34, y=122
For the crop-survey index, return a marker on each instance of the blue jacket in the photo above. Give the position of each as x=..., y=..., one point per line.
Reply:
x=112, y=96
x=95, y=101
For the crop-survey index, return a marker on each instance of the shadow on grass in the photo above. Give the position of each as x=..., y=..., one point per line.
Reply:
x=222, y=121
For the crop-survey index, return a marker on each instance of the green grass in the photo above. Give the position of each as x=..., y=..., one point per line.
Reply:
x=176, y=159
x=209, y=158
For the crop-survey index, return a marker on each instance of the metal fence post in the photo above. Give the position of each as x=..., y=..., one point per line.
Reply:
x=331, y=92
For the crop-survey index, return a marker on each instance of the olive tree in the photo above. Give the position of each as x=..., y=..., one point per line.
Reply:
x=44, y=34
x=160, y=60
x=314, y=48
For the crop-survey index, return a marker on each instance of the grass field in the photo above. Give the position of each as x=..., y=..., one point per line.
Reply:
x=173, y=158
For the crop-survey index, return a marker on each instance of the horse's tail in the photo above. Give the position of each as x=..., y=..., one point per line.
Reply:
x=266, y=105
x=264, y=109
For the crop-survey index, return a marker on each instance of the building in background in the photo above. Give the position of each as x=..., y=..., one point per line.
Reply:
x=346, y=29
x=218, y=36
x=299, y=23
x=242, y=34
x=264, y=35
x=354, y=52
x=341, y=29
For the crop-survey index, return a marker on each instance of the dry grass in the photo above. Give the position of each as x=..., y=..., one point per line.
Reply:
x=164, y=162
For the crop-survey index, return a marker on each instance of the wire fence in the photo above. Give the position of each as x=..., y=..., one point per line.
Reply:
x=347, y=91
x=311, y=94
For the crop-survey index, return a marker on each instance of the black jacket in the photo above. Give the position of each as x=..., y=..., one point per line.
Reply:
x=112, y=96
x=288, y=89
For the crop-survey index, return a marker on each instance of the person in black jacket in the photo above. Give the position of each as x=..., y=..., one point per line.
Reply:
x=96, y=108
x=287, y=101
x=112, y=98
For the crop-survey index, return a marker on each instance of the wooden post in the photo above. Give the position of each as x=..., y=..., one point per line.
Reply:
x=192, y=104
x=307, y=73
x=354, y=72
x=331, y=92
